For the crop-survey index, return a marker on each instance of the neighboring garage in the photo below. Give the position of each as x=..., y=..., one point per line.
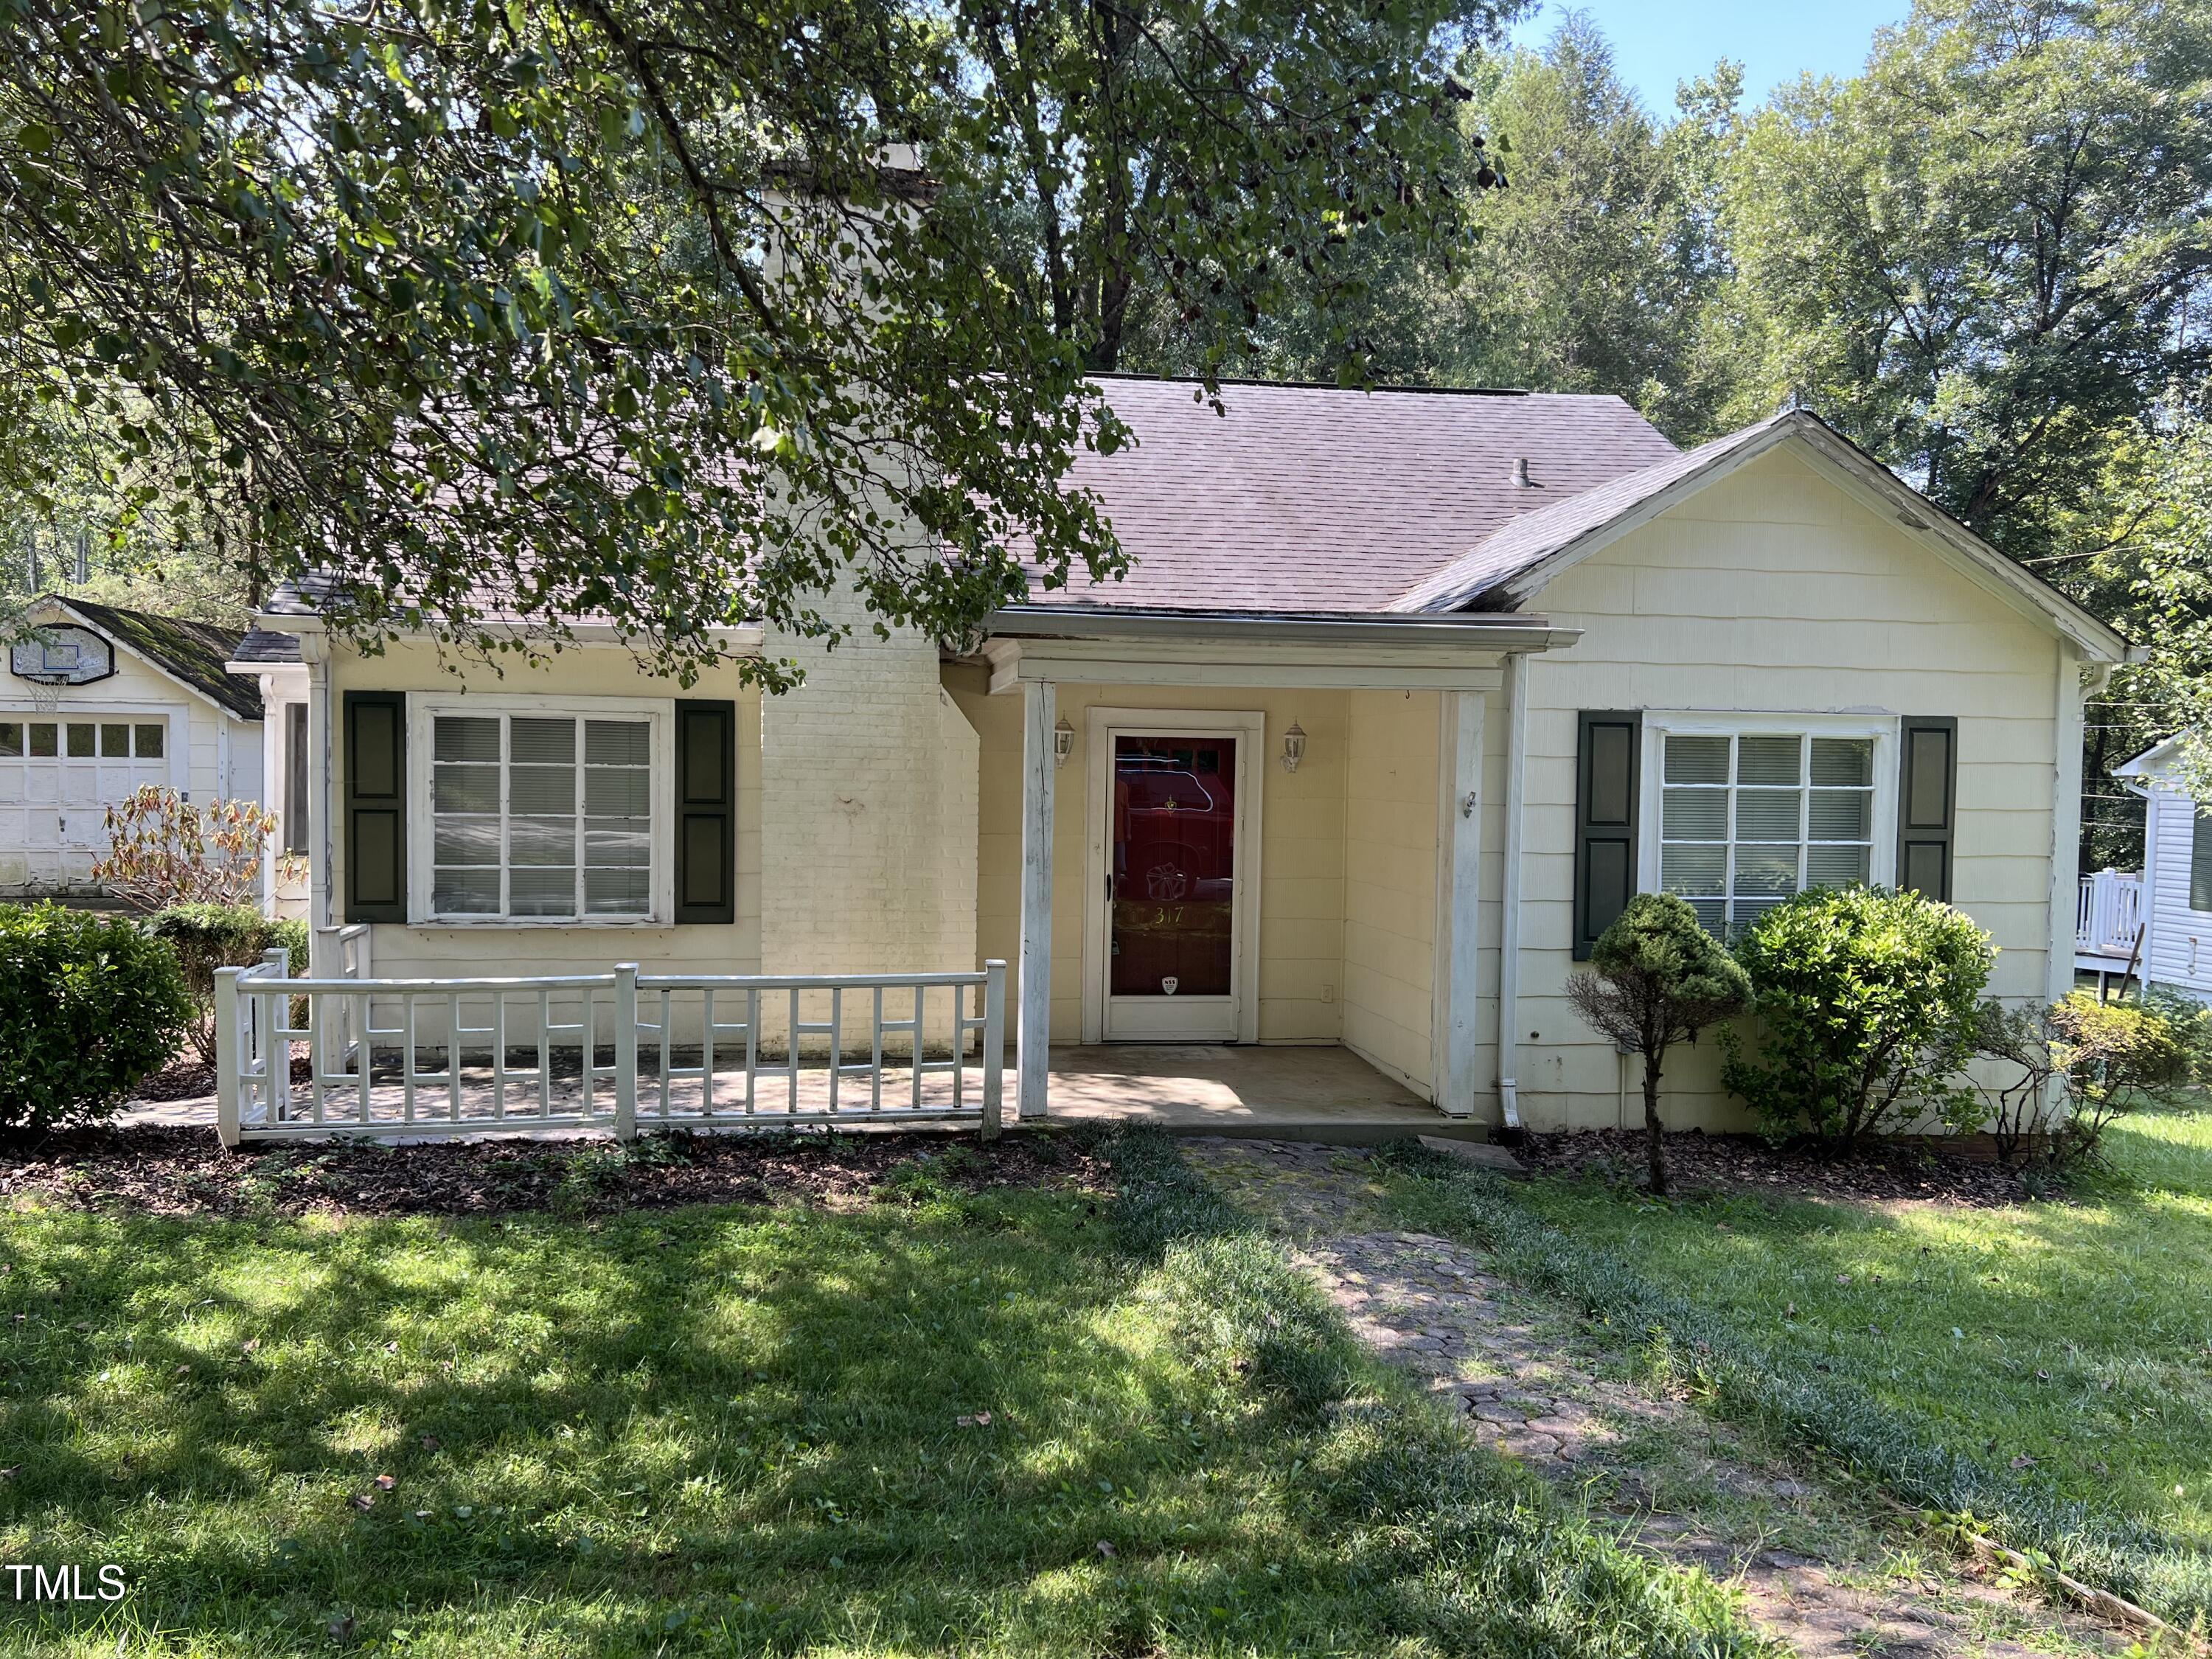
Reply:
x=96, y=702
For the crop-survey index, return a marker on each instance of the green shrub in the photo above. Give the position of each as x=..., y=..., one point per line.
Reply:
x=1656, y=978
x=2115, y=1057
x=207, y=937
x=89, y=1007
x=2191, y=1022
x=2110, y=1058
x=1868, y=1011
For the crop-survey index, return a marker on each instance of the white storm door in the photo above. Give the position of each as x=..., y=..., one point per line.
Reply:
x=1175, y=811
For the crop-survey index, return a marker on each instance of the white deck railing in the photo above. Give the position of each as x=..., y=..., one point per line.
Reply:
x=2109, y=913
x=585, y=1051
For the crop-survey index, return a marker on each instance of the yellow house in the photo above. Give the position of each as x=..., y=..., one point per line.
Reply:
x=1303, y=824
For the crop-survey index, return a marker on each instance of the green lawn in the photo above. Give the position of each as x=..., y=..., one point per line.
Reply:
x=2077, y=1335
x=735, y=1429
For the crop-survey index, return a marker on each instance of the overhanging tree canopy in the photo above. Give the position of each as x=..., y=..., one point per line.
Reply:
x=507, y=310
x=1987, y=258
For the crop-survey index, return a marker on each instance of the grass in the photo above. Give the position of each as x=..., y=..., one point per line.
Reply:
x=2047, y=1365
x=983, y=1424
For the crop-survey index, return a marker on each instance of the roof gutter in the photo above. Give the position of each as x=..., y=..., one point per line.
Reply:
x=747, y=639
x=1479, y=630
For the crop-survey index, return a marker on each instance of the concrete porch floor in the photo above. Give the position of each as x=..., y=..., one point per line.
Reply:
x=1284, y=1093
x=1324, y=1094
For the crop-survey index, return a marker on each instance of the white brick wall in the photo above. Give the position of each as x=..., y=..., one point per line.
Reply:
x=867, y=811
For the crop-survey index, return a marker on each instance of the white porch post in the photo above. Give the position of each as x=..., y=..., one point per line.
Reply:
x=322, y=843
x=273, y=726
x=229, y=1063
x=1033, y=1030
x=1459, y=856
x=1509, y=892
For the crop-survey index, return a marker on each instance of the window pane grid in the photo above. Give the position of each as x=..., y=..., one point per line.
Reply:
x=548, y=818
x=23, y=739
x=1749, y=819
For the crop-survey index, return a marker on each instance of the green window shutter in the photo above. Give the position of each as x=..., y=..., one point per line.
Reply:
x=2200, y=860
x=1927, y=804
x=706, y=812
x=376, y=806
x=1609, y=750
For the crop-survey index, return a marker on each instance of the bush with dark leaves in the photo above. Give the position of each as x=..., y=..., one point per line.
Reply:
x=90, y=1006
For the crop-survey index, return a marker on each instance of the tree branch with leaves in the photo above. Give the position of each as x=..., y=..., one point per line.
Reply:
x=483, y=314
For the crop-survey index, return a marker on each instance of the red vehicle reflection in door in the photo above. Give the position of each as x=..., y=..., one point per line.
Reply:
x=1173, y=873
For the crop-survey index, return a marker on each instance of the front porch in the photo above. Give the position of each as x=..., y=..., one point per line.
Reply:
x=628, y=1053
x=1280, y=1093
x=1235, y=863
x=1328, y=1096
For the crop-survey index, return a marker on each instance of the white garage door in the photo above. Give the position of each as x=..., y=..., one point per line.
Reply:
x=59, y=775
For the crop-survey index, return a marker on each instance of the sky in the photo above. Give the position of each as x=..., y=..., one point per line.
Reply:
x=1657, y=43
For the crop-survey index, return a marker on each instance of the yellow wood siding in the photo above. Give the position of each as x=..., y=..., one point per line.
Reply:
x=1390, y=882
x=1775, y=590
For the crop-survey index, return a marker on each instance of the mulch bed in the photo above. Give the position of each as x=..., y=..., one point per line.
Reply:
x=183, y=1078
x=186, y=1171
x=187, y=1077
x=1884, y=1171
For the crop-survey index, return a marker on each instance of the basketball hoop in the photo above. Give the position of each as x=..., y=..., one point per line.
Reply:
x=52, y=658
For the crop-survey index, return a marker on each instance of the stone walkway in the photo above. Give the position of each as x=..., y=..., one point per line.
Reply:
x=1814, y=1568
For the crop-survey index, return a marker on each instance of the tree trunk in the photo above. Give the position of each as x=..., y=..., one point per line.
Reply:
x=1654, y=1138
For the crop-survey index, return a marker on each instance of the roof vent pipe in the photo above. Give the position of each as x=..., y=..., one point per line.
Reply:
x=1521, y=474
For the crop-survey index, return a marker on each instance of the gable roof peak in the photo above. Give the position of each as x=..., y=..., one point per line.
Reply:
x=1508, y=566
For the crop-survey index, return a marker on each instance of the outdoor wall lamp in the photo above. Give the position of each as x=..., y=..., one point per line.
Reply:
x=1063, y=742
x=1294, y=747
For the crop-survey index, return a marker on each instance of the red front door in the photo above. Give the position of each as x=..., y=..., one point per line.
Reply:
x=1172, y=870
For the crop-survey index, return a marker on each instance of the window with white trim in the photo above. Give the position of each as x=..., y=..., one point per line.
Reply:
x=1747, y=818
x=541, y=817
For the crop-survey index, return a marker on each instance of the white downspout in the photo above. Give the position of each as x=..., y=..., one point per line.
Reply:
x=1508, y=929
x=322, y=743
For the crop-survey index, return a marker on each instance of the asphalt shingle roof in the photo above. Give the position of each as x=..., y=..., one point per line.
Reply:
x=194, y=651
x=1304, y=498
x=1534, y=537
x=259, y=646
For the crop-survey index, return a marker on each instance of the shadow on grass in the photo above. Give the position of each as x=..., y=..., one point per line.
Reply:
x=999, y=1423
x=749, y=1416
x=961, y=1425
x=2041, y=1364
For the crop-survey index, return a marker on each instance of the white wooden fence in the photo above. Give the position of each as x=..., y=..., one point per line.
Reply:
x=2108, y=913
x=299, y=1058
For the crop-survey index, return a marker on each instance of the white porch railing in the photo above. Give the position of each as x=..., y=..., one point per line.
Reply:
x=2108, y=913
x=584, y=1051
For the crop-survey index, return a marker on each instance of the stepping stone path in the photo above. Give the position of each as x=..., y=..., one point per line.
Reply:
x=1526, y=1380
